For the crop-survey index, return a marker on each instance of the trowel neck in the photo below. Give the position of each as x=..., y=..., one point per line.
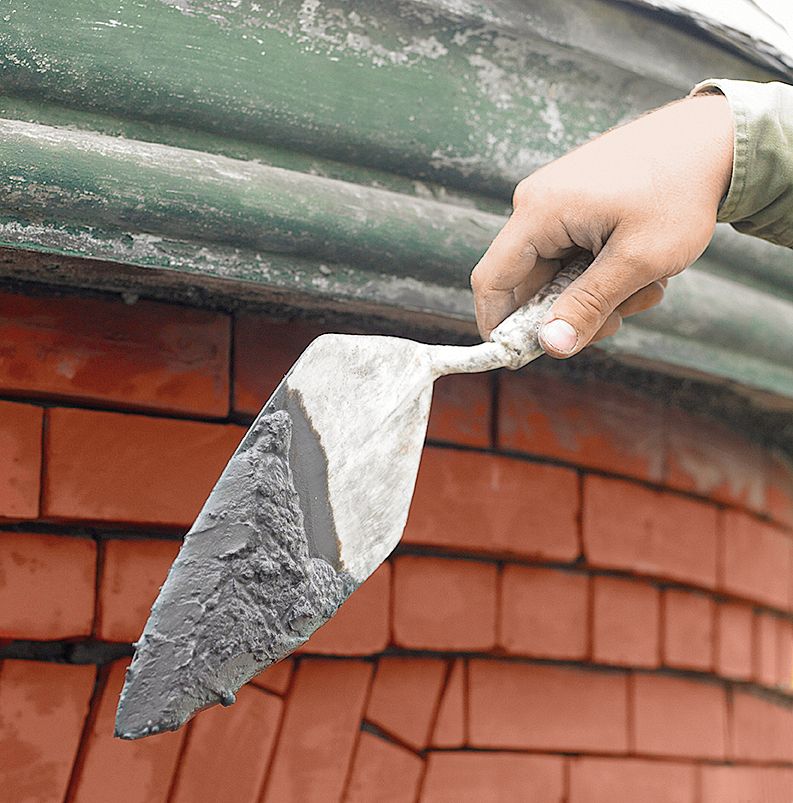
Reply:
x=473, y=359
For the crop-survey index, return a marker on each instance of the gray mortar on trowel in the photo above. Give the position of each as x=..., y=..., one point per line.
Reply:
x=243, y=592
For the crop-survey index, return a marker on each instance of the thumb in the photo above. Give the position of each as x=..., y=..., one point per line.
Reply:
x=582, y=309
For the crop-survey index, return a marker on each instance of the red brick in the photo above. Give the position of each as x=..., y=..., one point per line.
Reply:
x=765, y=642
x=130, y=468
x=42, y=710
x=523, y=706
x=780, y=489
x=544, y=613
x=20, y=459
x=746, y=784
x=462, y=409
x=629, y=527
x=492, y=777
x=146, y=355
x=383, y=769
x=592, y=424
x=444, y=604
x=47, y=586
x=757, y=560
x=405, y=697
x=679, y=717
x=264, y=350
x=275, y=678
x=688, y=637
x=708, y=458
x=361, y=626
x=132, y=573
x=319, y=732
x=608, y=780
x=475, y=502
x=762, y=730
x=122, y=771
x=784, y=654
x=625, y=622
x=229, y=750
x=734, y=640
x=449, y=730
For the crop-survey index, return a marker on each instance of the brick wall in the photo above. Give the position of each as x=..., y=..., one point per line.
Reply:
x=592, y=601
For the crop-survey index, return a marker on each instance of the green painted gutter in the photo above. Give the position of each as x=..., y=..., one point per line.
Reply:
x=359, y=156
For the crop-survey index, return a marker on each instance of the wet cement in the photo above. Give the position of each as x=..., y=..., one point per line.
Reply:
x=243, y=592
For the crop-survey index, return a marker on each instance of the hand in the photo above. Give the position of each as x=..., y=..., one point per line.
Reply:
x=642, y=198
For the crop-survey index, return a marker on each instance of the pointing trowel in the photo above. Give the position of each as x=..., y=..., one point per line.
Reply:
x=313, y=500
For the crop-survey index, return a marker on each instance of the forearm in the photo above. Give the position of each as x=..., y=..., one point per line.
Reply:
x=760, y=197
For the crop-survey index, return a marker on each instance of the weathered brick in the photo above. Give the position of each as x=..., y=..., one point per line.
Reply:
x=765, y=643
x=688, y=636
x=476, y=502
x=710, y=459
x=734, y=640
x=544, y=612
x=592, y=424
x=319, y=732
x=42, y=710
x=449, y=730
x=275, y=678
x=47, y=586
x=122, y=771
x=522, y=706
x=784, y=654
x=462, y=409
x=478, y=777
x=762, y=729
x=625, y=622
x=132, y=573
x=146, y=355
x=608, y=780
x=264, y=350
x=385, y=770
x=229, y=750
x=746, y=784
x=444, y=604
x=20, y=459
x=626, y=526
x=131, y=468
x=757, y=560
x=679, y=717
x=405, y=697
x=361, y=626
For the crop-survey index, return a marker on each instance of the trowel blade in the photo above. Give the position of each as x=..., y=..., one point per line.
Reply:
x=313, y=500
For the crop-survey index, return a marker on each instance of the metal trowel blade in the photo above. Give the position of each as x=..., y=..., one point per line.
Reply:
x=313, y=500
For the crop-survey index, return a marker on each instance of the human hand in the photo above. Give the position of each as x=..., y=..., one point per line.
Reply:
x=642, y=198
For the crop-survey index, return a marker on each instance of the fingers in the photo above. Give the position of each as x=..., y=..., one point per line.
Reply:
x=643, y=299
x=615, y=284
x=503, y=278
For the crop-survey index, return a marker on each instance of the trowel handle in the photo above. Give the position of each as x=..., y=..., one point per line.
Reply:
x=520, y=332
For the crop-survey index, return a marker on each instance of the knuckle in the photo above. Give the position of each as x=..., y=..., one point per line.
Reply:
x=531, y=192
x=477, y=280
x=593, y=303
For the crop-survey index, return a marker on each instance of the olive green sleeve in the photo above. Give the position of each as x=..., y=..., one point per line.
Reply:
x=760, y=198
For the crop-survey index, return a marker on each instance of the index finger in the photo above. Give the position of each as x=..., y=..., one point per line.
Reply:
x=505, y=267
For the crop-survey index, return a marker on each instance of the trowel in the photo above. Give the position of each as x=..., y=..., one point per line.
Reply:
x=314, y=499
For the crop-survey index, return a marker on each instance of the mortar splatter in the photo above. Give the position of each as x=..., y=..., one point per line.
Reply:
x=242, y=593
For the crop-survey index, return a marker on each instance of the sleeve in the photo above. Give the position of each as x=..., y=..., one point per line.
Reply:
x=760, y=197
